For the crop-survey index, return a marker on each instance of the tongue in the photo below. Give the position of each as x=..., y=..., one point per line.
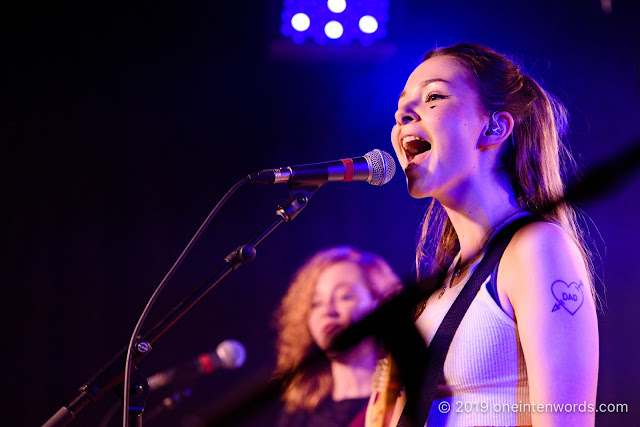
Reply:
x=417, y=146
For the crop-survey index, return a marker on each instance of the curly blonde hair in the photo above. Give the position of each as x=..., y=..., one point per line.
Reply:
x=307, y=387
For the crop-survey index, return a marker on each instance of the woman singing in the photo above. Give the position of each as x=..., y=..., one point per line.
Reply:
x=482, y=139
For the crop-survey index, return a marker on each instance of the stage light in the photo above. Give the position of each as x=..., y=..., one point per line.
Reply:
x=300, y=22
x=333, y=30
x=368, y=24
x=337, y=6
x=337, y=22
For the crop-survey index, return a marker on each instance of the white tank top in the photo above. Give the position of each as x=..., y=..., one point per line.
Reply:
x=484, y=381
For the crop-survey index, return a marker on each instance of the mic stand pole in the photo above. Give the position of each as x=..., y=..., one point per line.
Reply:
x=113, y=372
x=137, y=398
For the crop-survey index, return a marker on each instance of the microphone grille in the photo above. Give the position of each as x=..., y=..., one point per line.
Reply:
x=382, y=165
x=232, y=353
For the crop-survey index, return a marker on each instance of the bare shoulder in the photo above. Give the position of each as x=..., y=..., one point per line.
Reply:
x=541, y=263
x=545, y=247
x=543, y=238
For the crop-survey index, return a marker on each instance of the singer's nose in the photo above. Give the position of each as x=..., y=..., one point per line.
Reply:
x=404, y=117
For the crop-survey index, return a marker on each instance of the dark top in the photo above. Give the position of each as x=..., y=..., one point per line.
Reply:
x=329, y=413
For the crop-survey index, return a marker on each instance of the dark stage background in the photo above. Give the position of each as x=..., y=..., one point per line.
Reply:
x=122, y=126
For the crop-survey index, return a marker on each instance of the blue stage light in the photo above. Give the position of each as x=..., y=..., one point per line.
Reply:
x=335, y=21
x=337, y=6
x=368, y=24
x=333, y=30
x=300, y=22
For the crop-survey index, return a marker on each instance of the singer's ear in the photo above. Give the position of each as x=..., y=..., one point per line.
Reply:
x=498, y=128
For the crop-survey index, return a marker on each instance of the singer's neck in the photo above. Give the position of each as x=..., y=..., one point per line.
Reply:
x=475, y=211
x=352, y=372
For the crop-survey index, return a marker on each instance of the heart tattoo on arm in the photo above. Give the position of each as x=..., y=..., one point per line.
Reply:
x=569, y=296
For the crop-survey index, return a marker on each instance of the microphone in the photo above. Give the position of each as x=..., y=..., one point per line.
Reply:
x=376, y=167
x=230, y=354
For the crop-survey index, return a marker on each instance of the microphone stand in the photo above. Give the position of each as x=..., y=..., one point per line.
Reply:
x=113, y=372
x=169, y=403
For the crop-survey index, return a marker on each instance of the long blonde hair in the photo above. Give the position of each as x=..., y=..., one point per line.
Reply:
x=534, y=158
x=309, y=386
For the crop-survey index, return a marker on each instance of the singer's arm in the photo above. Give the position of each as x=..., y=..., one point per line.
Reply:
x=543, y=284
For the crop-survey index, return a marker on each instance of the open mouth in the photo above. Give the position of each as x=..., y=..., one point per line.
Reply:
x=414, y=145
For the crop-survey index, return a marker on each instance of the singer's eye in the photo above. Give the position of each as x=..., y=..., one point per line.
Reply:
x=434, y=97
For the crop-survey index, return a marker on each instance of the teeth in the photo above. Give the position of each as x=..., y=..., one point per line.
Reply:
x=410, y=138
x=414, y=145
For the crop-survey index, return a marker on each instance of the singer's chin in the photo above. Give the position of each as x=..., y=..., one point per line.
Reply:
x=416, y=188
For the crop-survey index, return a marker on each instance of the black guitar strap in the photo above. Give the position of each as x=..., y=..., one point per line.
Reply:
x=417, y=408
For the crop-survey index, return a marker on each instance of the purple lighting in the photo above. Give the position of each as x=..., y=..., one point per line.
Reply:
x=335, y=21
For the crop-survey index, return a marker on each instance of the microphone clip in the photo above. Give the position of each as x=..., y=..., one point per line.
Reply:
x=299, y=196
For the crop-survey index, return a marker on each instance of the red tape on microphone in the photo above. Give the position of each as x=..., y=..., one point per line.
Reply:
x=348, y=169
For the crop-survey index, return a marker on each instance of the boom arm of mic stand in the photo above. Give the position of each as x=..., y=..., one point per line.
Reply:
x=113, y=372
